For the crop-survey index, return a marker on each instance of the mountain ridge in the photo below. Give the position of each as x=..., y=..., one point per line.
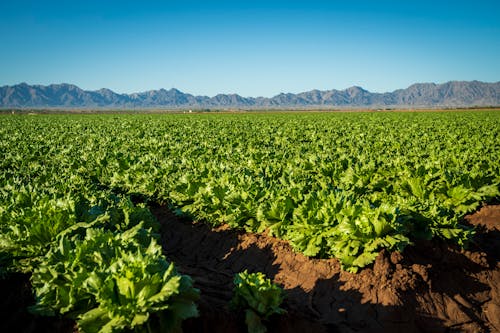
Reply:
x=418, y=95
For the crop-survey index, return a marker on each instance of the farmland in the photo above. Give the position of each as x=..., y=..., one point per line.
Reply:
x=360, y=202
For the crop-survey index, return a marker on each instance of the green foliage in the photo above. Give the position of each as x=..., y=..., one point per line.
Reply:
x=331, y=224
x=32, y=221
x=339, y=185
x=110, y=281
x=259, y=297
x=92, y=252
x=29, y=223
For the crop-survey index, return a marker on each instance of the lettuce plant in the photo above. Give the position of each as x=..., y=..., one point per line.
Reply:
x=259, y=297
x=110, y=281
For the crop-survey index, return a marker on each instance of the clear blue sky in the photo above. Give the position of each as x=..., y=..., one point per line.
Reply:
x=253, y=48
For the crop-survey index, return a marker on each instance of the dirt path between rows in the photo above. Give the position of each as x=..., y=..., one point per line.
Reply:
x=430, y=287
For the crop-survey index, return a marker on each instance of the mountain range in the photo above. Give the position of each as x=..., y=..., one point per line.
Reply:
x=420, y=95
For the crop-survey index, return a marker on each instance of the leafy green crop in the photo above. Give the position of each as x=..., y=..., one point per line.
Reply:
x=330, y=224
x=92, y=252
x=32, y=221
x=110, y=281
x=341, y=185
x=29, y=224
x=259, y=297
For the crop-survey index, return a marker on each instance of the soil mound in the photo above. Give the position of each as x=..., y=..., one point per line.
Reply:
x=430, y=287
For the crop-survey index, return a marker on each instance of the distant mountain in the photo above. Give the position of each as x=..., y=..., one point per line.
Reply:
x=450, y=94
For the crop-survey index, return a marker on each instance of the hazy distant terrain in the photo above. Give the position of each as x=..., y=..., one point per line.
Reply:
x=450, y=94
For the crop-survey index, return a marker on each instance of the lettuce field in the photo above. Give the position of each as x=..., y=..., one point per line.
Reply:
x=139, y=222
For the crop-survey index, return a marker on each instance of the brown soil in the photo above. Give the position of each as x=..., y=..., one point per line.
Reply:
x=430, y=287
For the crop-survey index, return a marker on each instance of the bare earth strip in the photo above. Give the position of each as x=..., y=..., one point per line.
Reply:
x=430, y=287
